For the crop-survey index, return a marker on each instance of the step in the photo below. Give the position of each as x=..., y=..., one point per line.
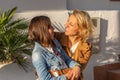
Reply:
x=114, y=74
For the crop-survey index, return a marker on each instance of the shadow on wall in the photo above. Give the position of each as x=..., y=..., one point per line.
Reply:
x=97, y=56
x=99, y=43
x=111, y=48
x=103, y=34
x=99, y=35
x=119, y=26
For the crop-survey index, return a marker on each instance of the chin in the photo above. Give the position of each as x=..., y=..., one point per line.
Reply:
x=66, y=33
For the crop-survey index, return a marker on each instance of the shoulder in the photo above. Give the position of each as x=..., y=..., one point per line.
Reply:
x=56, y=42
x=85, y=46
x=37, y=52
x=37, y=55
x=62, y=38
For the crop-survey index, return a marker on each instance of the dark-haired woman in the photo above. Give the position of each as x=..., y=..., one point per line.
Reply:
x=48, y=55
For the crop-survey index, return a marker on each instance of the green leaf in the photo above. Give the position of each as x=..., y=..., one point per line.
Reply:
x=13, y=39
x=11, y=13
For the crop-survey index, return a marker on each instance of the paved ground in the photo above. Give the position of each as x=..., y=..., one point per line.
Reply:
x=14, y=72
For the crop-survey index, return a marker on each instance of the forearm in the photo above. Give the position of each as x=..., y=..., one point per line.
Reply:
x=85, y=58
x=61, y=37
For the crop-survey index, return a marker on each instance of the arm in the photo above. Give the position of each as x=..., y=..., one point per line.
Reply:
x=76, y=70
x=61, y=37
x=83, y=54
x=76, y=67
x=84, y=59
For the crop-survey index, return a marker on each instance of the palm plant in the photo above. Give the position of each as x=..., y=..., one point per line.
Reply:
x=13, y=40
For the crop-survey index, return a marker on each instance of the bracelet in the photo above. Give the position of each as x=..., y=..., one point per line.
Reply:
x=78, y=65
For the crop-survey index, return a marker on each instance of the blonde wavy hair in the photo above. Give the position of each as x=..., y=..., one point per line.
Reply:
x=85, y=24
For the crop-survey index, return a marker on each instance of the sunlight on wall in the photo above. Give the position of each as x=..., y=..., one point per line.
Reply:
x=108, y=60
x=5, y=64
x=58, y=18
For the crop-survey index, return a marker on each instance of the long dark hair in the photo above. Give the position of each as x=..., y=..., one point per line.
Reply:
x=38, y=30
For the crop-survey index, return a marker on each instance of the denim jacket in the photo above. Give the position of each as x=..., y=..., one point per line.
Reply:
x=43, y=61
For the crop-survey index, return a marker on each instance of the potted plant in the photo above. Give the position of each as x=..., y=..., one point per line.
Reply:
x=13, y=38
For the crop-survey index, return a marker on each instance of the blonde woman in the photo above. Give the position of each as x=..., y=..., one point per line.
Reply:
x=78, y=29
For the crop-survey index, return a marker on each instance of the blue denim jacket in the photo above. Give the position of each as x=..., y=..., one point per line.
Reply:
x=43, y=61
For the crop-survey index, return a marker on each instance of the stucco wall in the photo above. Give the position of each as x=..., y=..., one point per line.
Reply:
x=93, y=5
x=109, y=40
x=33, y=5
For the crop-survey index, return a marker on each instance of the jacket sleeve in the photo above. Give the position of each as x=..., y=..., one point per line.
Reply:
x=83, y=54
x=41, y=67
x=62, y=38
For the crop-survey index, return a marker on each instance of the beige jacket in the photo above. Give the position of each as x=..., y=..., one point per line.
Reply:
x=82, y=53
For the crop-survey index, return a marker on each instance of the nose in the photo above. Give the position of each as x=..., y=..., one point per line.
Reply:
x=66, y=25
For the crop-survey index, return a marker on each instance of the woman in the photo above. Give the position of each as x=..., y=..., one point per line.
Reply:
x=48, y=57
x=79, y=28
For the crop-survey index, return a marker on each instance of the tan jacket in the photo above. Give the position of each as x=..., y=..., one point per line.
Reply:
x=82, y=53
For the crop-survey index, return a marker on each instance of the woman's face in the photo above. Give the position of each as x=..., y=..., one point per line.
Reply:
x=71, y=26
x=51, y=31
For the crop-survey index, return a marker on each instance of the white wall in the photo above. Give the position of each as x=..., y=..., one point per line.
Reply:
x=29, y=5
x=93, y=5
x=58, y=18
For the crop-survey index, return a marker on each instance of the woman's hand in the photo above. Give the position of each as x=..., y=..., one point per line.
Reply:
x=76, y=73
x=69, y=75
x=72, y=74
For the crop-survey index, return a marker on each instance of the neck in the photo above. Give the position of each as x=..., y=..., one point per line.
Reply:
x=73, y=40
x=48, y=45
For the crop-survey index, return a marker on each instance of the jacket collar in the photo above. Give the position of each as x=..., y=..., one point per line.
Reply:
x=40, y=46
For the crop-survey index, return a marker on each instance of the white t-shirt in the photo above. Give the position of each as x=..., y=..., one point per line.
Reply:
x=73, y=48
